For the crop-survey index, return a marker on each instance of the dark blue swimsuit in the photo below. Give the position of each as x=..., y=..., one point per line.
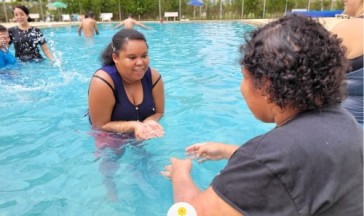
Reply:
x=124, y=110
x=354, y=102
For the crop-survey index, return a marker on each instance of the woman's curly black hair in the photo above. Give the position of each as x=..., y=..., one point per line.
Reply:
x=304, y=63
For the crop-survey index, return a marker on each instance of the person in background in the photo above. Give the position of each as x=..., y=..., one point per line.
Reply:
x=125, y=94
x=6, y=57
x=26, y=38
x=351, y=31
x=129, y=23
x=311, y=163
x=88, y=25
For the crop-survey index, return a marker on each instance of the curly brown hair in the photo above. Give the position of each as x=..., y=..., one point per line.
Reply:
x=304, y=63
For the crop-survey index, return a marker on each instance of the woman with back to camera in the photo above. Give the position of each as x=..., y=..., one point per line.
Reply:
x=26, y=38
x=311, y=163
x=351, y=31
x=126, y=95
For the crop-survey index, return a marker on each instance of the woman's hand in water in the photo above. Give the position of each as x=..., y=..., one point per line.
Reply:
x=210, y=151
x=154, y=128
x=148, y=129
x=178, y=168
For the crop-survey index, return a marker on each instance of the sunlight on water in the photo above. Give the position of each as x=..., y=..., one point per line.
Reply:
x=52, y=163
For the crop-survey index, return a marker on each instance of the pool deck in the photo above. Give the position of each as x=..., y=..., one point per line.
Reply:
x=327, y=22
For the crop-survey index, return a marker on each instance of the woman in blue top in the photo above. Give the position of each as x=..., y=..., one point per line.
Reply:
x=126, y=95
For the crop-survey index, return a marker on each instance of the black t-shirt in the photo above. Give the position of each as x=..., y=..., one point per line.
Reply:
x=312, y=165
x=26, y=43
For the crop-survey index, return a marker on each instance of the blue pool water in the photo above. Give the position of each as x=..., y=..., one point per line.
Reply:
x=49, y=164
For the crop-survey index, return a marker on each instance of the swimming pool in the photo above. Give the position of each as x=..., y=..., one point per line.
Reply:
x=49, y=164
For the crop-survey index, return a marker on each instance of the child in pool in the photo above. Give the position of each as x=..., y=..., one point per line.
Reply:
x=6, y=57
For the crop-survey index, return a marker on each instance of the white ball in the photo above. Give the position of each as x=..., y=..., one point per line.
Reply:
x=181, y=209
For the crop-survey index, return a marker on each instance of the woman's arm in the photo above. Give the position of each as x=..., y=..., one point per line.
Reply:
x=185, y=190
x=101, y=100
x=351, y=32
x=47, y=52
x=121, y=126
x=211, y=151
x=158, y=95
x=101, y=103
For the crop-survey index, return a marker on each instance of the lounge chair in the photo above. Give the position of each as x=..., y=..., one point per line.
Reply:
x=34, y=16
x=66, y=18
x=106, y=17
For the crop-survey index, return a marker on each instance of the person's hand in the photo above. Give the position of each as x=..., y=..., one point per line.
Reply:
x=206, y=151
x=177, y=167
x=55, y=62
x=141, y=132
x=154, y=128
x=147, y=130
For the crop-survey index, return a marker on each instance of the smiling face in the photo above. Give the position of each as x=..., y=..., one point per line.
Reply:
x=352, y=7
x=4, y=39
x=132, y=61
x=20, y=16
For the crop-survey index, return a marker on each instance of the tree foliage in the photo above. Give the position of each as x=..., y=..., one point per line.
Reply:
x=149, y=9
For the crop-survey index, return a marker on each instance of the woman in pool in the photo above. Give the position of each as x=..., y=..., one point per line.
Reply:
x=26, y=38
x=351, y=32
x=311, y=163
x=126, y=95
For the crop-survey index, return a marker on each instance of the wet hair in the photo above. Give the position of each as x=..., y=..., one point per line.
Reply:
x=118, y=42
x=90, y=14
x=25, y=10
x=3, y=29
x=303, y=63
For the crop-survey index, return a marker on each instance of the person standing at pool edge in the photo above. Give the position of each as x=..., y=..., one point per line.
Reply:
x=126, y=95
x=311, y=163
x=26, y=38
x=88, y=25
